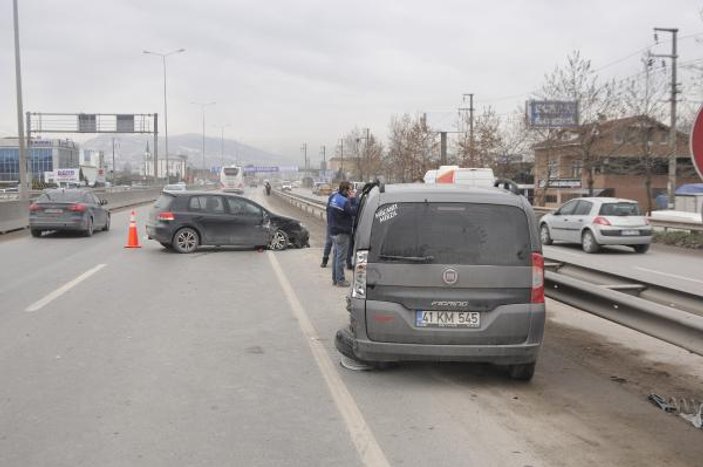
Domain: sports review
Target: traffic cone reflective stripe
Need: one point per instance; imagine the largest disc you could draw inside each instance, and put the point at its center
(133, 236)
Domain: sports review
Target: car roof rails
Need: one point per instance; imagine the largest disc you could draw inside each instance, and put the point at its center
(507, 184)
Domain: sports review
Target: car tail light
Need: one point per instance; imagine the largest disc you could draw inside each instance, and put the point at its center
(166, 216)
(359, 286)
(601, 221)
(34, 207)
(537, 295)
(77, 207)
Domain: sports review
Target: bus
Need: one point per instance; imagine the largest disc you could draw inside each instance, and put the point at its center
(232, 179)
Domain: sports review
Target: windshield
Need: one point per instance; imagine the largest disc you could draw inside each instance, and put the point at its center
(620, 209)
(450, 233)
(231, 171)
(62, 196)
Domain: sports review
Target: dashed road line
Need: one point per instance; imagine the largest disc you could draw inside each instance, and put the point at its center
(36, 306)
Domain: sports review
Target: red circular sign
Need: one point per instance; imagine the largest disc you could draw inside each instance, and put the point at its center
(697, 143)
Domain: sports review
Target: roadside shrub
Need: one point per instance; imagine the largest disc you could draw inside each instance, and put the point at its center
(680, 238)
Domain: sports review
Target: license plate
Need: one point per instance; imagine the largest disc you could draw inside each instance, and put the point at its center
(53, 211)
(448, 319)
(630, 232)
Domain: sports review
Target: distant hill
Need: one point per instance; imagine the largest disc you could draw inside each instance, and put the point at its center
(131, 148)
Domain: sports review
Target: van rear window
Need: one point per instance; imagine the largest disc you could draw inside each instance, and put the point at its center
(450, 233)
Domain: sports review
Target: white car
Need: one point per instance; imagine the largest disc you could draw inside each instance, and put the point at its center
(593, 222)
(286, 186)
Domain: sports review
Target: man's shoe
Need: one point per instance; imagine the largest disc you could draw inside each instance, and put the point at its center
(323, 264)
(342, 284)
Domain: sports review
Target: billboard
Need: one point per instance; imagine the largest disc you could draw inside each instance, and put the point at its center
(552, 114)
(124, 123)
(67, 175)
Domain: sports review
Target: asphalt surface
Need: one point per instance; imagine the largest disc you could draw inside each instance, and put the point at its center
(144, 357)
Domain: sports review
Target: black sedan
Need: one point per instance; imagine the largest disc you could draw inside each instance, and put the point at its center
(183, 221)
(68, 209)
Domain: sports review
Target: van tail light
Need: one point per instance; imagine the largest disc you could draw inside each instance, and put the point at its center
(359, 286)
(166, 216)
(601, 221)
(77, 207)
(34, 207)
(537, 295)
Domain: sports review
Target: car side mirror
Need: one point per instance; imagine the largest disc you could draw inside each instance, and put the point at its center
(103, 202)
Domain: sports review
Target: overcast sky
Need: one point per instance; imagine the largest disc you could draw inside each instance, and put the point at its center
(287, 72)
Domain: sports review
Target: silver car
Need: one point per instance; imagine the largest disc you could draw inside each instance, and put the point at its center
(593, 222)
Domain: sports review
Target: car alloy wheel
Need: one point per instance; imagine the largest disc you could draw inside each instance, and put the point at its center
(544, 235)
(186, 240)
(588, 242)
(279, 240)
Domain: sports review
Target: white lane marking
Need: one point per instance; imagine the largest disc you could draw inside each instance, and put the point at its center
(366, 445)
(63, 289)
(675, 276)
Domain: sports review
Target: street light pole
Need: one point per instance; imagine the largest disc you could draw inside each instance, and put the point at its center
(23, 189)
(163, 59)
(202, 108)
(222, 142)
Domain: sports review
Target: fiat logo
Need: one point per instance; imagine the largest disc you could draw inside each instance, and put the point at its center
(450, 276)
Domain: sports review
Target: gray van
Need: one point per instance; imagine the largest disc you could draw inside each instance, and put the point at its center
(445, 273)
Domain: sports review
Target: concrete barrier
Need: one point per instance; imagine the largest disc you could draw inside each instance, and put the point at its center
(14, 215)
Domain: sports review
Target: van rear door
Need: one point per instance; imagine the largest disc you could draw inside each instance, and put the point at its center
(449, 273)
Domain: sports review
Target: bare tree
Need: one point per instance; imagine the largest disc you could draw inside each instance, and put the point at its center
(411, 148)
(578, 81)
(643, 98)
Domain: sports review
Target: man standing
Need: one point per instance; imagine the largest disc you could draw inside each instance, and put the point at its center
(342, 210)
(328, 238)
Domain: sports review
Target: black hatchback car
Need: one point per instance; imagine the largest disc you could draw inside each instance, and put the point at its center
(183, 221)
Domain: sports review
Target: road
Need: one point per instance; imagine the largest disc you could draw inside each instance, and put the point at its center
(226, 357)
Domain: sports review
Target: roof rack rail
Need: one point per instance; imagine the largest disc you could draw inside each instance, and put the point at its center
(507, 184)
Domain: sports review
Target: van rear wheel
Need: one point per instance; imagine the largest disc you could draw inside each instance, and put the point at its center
(523, 371)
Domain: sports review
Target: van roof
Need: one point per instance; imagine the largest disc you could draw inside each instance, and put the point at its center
(419, 192)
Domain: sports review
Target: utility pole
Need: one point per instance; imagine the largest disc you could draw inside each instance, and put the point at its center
(470, 109)
(341, 153)
(113, 162)
(23, 188)
(671, 185)
(304, 148)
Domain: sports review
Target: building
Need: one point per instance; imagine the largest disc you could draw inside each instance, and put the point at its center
(609, 158)
(44, 155)
(176, 165)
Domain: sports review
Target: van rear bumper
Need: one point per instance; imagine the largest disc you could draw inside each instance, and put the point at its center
(370, 351)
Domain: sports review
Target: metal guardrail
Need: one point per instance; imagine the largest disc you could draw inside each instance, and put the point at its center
(670, 315)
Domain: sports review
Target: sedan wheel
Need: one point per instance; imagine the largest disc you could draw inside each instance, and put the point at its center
(544, 235)
(588, 242)
(279, 240)
(90, 228)
(641, 248)
(186, 240)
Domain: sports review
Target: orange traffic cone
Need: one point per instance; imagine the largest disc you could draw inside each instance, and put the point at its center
(133, 237)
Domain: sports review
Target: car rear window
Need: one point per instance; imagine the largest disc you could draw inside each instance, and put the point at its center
(163, 202)
(67, 196)
(450, 233)
(620, 209)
